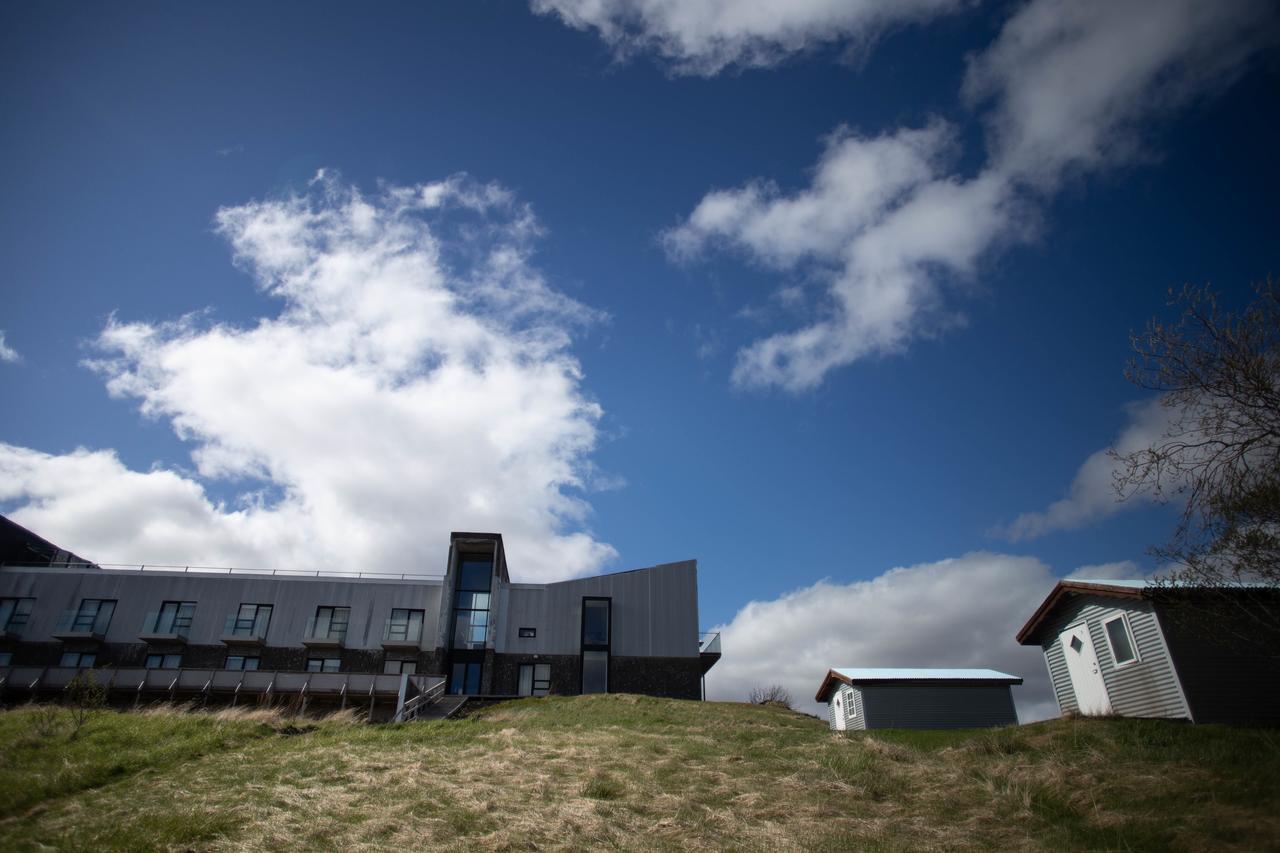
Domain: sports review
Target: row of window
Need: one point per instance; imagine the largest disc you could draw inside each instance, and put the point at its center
(249, 620)
(85, 660)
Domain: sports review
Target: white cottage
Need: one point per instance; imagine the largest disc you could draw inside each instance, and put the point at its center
(1115, 647)
(918, 698)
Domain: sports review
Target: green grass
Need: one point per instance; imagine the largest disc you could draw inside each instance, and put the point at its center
(628, 772)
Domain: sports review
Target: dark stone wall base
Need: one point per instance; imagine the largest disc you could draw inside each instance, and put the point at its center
(673, 678)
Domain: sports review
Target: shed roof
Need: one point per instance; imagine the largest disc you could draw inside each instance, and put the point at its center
(1029, 635)
(905, 674)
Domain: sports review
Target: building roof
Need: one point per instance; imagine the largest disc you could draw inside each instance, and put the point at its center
(900, 674)
(1064, 589)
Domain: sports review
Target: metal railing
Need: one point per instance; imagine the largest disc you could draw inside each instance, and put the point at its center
(421, 702)
(232, 570)
(709, 643)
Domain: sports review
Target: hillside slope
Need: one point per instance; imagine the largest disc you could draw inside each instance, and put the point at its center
(628, 772)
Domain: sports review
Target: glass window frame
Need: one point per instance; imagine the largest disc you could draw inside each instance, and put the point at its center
(83, 660)
(244, 660)
(167, 661)
(407, 621)
(1122, 618)
(591, 650)
(536, 686)
(334, 628)
(89, 612)
(324, 664)
(244, 626)
(18, 614)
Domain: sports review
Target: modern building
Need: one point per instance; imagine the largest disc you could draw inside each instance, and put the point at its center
(918, 698)
(329, 638)
(1126, 647)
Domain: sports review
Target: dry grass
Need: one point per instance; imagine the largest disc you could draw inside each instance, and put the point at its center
(640, 773)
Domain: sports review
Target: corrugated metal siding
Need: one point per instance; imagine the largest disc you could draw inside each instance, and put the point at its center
(850, 707)
(1148, 688)
(655, 612)
(217, 596)
(933, 706)
(1225, 679)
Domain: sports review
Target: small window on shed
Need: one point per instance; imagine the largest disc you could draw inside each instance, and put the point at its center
(528, 633)
(1123, 649)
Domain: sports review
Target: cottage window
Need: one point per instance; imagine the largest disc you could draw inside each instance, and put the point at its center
(1120, 637)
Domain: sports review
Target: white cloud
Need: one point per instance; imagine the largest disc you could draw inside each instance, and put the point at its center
(1092, 494)
(415, 380)
(707, 36)
(961, 612)
(890, 224)
(7, 353)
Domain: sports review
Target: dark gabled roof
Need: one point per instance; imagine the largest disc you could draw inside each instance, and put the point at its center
(19, 546)
(900, 675)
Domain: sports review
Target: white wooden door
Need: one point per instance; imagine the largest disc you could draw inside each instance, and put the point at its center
(841, 698)
(1086, 675)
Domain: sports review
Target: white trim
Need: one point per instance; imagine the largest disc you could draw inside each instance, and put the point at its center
(1173, 665)
(1133, 642)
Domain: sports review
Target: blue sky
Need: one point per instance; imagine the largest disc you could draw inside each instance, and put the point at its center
(584, 145)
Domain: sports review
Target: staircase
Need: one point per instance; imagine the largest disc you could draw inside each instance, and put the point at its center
(431, 704)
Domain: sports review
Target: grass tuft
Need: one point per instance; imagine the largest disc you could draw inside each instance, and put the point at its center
(629, 772)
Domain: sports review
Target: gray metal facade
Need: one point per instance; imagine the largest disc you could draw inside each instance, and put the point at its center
(655, 613)
(1148, 687)
(217, 596)
(937, 706)
(653, 639)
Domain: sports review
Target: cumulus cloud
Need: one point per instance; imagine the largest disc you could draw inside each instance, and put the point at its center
(890, 224)
(1092, 494)
(707, 36)
(7, 353)
(961, 612)
(416, 379)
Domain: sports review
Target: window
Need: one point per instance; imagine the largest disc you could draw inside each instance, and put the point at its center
(1120, 637)
(164, 661)
(596, 631)
(82, 660)
(535, 679)
(242, 662)
(174, 617)
(393, 666)
(528, 633)
(464, 678)
(471, 603)
(405, 625)
(93, 616)
(6, 658)
(14, 613)
(324, 665)
(331, 623)
(251, 620)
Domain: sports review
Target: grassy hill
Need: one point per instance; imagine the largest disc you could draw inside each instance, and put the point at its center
(627, 772)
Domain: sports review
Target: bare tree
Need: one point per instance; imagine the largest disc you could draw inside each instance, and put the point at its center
(85, 696)
(774, 694)
(1218, 374)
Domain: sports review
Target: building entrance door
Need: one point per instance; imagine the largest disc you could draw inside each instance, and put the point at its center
(1086, 675)
(840, 717)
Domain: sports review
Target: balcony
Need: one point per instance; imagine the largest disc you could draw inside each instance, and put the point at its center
(708, 650)
(402, 635)
(244, 632)
(163, 627)
(321, 633)
(74, 625)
